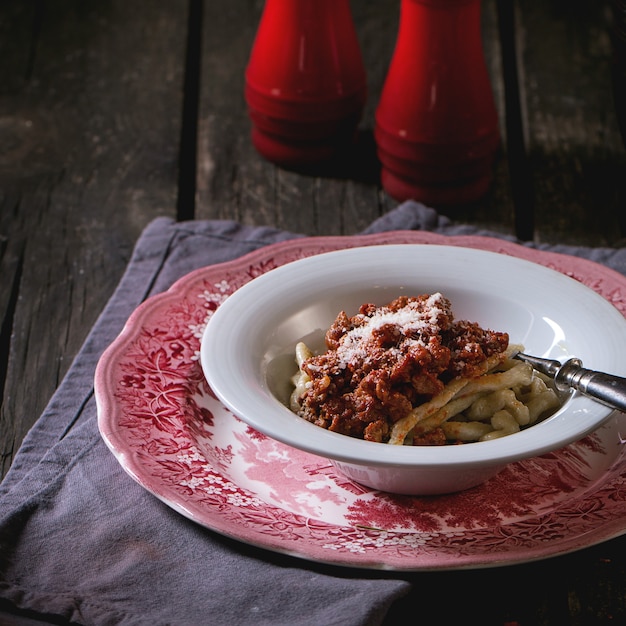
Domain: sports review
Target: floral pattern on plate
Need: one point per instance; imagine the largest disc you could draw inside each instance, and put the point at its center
(170, 433)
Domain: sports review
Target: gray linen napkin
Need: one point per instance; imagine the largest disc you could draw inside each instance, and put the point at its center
(81, 542)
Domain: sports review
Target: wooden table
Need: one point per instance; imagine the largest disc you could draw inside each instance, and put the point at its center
(113, 113)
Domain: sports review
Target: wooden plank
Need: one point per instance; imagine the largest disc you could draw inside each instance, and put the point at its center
(574, 147)
(234, 182)
(93, 109)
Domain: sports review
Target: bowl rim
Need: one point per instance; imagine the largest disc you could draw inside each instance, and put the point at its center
(222, 328)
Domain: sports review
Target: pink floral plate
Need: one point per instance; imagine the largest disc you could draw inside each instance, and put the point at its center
(169, 432)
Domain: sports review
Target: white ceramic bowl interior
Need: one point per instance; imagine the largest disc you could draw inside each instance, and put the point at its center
(247, 350)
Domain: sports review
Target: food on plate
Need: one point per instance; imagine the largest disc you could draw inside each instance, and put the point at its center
(409, 373)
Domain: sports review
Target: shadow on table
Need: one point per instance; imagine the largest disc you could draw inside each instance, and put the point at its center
(358, 162)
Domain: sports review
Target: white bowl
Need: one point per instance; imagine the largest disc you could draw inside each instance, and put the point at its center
(247, 351)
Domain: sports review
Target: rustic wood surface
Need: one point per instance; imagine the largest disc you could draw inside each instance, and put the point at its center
(112, 114)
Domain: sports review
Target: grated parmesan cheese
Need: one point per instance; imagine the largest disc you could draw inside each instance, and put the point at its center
(421, 318)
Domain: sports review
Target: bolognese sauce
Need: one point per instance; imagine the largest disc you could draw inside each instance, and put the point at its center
(385, 360)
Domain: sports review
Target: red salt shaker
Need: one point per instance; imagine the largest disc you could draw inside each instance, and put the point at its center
(305, 83)
(436, 123)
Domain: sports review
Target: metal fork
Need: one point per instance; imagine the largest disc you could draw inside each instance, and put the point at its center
(605, 388)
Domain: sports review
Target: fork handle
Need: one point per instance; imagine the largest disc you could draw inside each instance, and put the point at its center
(606, 388)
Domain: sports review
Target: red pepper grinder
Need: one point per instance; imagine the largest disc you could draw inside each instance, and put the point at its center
(436, 123)
(305, 82)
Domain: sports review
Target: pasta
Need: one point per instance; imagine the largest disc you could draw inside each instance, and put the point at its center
(408, 373)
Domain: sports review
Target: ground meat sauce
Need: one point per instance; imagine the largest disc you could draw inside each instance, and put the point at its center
(386, 360)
